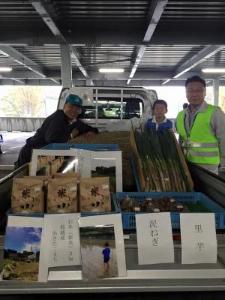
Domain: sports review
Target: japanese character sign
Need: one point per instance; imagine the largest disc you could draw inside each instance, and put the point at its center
(154, 237)
(198, 238)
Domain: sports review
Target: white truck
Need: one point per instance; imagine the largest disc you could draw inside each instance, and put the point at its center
(113, 108)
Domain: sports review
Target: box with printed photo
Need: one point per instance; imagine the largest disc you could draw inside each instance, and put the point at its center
(98, 252)
(50, 162)
(21, 253)
(108, 164)
(105, 168)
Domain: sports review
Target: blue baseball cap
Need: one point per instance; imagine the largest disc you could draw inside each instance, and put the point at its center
(74, 100)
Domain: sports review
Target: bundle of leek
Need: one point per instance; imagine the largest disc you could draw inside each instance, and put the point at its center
(161, 164)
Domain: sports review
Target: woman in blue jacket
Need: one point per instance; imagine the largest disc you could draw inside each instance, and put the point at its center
(159, 121)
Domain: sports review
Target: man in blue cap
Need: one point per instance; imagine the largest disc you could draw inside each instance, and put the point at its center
(57, 128)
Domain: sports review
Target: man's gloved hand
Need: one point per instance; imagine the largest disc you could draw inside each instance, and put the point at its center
(89, 135)
(74, 133)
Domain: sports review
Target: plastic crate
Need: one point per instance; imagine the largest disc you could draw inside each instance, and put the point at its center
(92, 147)
(23, 214)
(128, 218)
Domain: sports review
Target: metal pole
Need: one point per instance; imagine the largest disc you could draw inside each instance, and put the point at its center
(216, 86)
(66, 66)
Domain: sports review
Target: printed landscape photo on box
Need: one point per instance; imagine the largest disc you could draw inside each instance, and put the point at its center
(50, 165)
(98, 252)
(108, 164)
(50, 162)
(105, 168)
(21, 253)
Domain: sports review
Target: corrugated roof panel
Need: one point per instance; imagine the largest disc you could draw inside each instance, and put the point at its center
(198, 9)
(216, 61)
(102, 9)
(46, 56)
(17, 10)
(168, 57)
(105, 56)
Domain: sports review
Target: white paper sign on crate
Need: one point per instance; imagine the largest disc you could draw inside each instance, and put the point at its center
(154, 238)
(198, 238)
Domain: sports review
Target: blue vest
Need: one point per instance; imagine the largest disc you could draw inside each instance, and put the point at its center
(162, 126)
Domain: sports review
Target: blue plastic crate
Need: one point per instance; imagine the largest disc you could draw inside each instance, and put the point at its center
(21, 214)
(128, 218)
(92, 147)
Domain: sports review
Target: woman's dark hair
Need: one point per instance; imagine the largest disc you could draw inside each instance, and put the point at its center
(194, 79)
(162, 102)
(106, 244)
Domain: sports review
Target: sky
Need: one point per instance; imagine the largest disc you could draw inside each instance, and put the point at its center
(23, 238)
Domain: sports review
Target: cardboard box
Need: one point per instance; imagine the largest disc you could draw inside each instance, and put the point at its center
(62, 195)
(27, 195)
(95, 194)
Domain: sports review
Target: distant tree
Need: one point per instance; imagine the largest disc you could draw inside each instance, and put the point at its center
(25, 101)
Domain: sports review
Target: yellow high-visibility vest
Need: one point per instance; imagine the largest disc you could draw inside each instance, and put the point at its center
(200, 144)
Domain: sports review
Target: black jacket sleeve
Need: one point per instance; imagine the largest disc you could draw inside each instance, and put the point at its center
(82, 127)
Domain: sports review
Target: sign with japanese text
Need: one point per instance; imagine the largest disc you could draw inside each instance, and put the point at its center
(198, 238)
(154, 238)
(60, 245)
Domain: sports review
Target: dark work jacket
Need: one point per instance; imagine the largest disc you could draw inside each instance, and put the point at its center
(55, 129)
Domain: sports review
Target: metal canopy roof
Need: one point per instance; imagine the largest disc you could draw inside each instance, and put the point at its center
(155, 41)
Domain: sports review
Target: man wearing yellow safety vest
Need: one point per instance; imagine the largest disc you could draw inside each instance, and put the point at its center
(201, 127)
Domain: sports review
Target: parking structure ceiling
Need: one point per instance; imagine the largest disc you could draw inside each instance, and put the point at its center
(155, 42)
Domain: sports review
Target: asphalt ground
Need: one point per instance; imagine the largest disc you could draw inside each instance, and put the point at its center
(12, 143)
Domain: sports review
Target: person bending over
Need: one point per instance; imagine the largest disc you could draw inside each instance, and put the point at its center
(57, 128)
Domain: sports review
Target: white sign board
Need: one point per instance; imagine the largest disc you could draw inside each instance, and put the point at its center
(60, 244)
(198, 238)
(154, 238)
